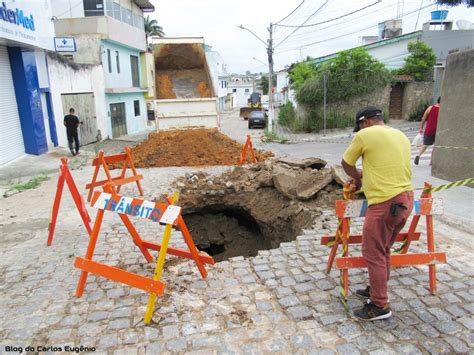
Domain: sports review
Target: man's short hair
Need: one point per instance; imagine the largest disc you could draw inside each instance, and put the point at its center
(71, 110)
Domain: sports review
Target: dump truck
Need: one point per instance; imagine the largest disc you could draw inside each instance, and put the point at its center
(254, 103)
(184, 96)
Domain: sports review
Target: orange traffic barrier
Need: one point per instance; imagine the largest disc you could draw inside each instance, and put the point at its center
(345, 210)
(65, 176)
(247, 147)
(154, 211)
(102, 161)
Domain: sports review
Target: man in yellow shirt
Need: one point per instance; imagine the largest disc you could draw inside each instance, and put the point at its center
(386, 181)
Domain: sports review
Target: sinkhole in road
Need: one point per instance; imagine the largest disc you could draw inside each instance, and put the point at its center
(226, 231)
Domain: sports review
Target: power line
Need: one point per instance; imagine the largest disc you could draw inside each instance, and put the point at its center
(345, 34)
(301, 35)
(291, 13)
(333, 19)
(296, 29)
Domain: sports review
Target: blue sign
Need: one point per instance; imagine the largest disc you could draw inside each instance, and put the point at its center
(64, 44)
(17, 17)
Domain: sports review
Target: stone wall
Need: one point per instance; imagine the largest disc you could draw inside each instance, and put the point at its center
(415, 94)
(379, 98)
(456, 119)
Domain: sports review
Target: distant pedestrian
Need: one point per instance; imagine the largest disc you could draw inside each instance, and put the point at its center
(386, 182)
(72, 122)
(431, 118)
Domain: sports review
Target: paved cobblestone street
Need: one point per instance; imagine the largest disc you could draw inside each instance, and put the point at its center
(280, 301)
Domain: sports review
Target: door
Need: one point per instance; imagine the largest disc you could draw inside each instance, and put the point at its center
(119, 121)
(84, 107)
(11, 136)
(396, 101)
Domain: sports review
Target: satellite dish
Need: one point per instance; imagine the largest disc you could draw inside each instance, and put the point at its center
(464, 24)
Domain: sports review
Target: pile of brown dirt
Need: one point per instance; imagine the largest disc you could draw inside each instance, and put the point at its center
(190, 147)
(164, 87)
(203, 89)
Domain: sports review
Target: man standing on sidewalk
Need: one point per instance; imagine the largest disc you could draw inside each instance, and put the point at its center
(72, 122)
(386, 172)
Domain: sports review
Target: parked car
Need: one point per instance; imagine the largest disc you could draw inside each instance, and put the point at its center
(257, 118)
(265, 106)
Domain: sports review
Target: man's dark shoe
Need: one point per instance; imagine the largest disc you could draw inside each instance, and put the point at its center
(417, 160)
(364, 294)
(371, 312)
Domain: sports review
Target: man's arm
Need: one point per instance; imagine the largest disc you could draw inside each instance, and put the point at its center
(424, 118)
(353, 172)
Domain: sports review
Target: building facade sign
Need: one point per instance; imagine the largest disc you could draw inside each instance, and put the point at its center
(64, 44)
(26, 22)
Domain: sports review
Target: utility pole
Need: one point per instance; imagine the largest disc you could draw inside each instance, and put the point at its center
(270, 78)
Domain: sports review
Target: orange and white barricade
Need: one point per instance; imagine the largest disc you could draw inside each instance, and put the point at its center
(247, 148)
(345, 210)
(103, 161)
(163, 213)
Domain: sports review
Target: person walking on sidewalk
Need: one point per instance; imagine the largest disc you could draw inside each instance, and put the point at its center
(431, 118)
(386, 182)
(72, 122)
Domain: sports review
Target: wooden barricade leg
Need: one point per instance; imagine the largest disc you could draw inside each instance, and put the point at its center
(136, 237)
(90, 251)
(122, 173)
(431, 249)
(333, 252)
(79, 201)
(94, 177)
(128, 151)
(345, 253)
(57, 200)
(159, 266)
(254, 159)
(192, 247)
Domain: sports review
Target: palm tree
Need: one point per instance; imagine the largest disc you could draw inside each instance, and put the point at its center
(152, 28)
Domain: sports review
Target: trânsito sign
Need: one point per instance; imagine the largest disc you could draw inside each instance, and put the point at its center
(64, 44)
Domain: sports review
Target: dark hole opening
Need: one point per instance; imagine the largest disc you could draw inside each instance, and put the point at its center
(224, 231)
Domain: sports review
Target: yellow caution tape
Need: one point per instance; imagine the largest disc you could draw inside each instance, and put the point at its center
(450, 185)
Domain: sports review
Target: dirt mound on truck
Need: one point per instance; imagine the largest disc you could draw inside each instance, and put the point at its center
(164, 87)
(191, 147)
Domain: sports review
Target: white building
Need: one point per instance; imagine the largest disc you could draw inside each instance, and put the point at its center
(26, 119)
(241, 86)
(283, 90)
(218, 72)
(107, 90)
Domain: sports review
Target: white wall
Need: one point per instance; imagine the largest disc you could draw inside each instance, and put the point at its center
(392, 55)
(67, 8)
(124, 78)
(65, 80)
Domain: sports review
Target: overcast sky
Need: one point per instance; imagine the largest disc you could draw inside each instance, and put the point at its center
(216, 21)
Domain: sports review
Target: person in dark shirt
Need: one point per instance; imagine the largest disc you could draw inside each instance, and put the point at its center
(72, 122)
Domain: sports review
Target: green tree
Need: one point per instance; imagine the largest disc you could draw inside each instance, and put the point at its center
(351, 73)
(299, 73)
(152, 28)
(420, 62)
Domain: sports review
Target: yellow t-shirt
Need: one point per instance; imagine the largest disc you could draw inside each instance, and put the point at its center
(386, 162)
